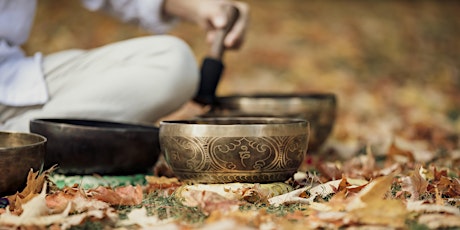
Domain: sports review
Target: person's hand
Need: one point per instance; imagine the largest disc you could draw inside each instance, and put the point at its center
(212, 15)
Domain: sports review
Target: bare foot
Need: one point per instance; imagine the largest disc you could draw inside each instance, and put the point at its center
(188, 110)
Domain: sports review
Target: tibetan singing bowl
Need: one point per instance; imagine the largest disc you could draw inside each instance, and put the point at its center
(19, 153)
(319, 109)
(237, 149)
(80, 146)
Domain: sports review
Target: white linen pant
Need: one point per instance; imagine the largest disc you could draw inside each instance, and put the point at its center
(138, 81)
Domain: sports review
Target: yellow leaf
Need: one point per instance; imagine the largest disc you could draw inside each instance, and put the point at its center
(370, 207)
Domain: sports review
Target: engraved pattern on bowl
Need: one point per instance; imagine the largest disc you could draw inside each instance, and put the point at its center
(220, 150)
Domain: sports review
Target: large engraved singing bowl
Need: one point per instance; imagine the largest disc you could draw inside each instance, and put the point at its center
(238, 149)
(80, 146)
(319, 109)
(19, 153)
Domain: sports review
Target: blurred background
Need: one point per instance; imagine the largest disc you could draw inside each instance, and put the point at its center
(394, 65)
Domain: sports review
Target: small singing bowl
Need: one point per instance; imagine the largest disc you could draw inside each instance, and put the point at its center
(19, 153)
(319, 109)
(82, 146)
(237, 149)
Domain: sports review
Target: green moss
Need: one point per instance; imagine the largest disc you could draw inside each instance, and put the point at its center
(165, 207)
(281, 210)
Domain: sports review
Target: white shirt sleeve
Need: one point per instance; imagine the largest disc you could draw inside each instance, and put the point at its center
(147, 13)
(21, 78)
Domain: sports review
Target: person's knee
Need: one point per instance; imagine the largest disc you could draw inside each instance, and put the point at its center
(181, 65)
(176, 76)
(181, 56)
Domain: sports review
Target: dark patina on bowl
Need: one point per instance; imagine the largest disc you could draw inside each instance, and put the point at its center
(80, 146)
(319, 109)
(237, 149)
(19, 153)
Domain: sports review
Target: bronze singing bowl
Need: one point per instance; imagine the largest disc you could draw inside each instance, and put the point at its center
(317, 108)
(81, 146)
(19, 153)
(237, 149)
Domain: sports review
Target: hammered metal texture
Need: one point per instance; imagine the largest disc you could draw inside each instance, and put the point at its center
(19, 153)
(317, 108)
(225, 159)
(85, 147)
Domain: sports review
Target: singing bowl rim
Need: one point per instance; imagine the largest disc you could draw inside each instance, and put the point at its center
(289, 98)
(312, 95)
(92, 124)
(258, 126)
(33, 140)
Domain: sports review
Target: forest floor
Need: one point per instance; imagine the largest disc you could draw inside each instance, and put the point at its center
(394, 66)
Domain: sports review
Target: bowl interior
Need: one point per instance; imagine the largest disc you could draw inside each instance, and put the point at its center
(11, 140)
(236, 121)
(285, 96)
(281, 104)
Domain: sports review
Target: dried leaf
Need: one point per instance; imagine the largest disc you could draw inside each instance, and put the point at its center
(370, 207)
(329, 171)
(422, 207)
(415, 184)
(208, 201)
(164, 184)
(124, 195)
(228, 195)
(35, 213)
(321, 190)
(77, 198)
(59, 200)
(439, 221)
(291, 197)
(399, 155)
(240, 191)
(34, 185)
(362, 166)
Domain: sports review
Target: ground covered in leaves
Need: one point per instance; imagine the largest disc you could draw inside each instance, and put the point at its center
(392, 161)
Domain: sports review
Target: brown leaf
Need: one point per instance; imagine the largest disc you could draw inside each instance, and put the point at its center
(35, 213)
(329, 171)
(449, 187)
(125, 195)
(396, 154)
(415, 184)
(34, 185)
(208, 201)
(78, 199)
(58, 201)
(168, 185)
